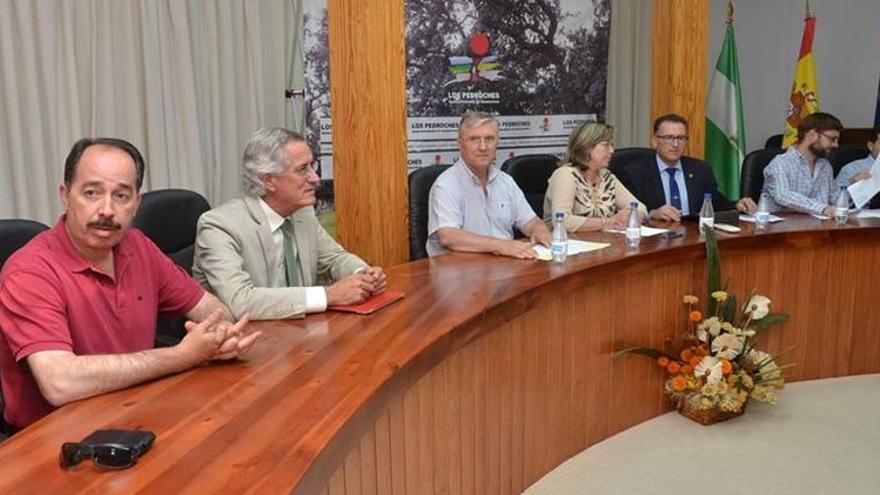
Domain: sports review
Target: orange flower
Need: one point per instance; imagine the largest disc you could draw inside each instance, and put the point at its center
(663, 361)
(726, 366)
(695, 316)
(686, 355)
(679, 383)
(687, 369)
(673, 367)
(695, 361)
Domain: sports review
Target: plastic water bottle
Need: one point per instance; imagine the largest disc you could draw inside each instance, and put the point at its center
(559, 243)
(762, 216)
(841, 207)
(707, 213)
(633, 226)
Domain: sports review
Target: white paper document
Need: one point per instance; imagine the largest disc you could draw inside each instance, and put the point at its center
(868, 214)
(751, 218)
(862, 191)
(574, 247)
(646, 231)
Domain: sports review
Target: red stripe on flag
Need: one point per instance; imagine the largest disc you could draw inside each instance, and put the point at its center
(807, 41)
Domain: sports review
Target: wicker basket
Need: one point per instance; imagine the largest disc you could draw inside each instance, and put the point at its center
(707, 416)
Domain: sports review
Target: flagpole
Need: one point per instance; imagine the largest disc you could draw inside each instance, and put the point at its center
(730, 13)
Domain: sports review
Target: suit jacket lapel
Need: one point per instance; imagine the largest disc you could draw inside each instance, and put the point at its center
(655, 186)
(267, 245)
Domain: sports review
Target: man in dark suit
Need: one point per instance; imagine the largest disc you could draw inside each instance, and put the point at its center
(672, 185)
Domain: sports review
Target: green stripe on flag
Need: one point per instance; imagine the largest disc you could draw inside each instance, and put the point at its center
(725, 132)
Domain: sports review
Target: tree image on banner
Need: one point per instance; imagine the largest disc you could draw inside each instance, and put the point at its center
(511, 57)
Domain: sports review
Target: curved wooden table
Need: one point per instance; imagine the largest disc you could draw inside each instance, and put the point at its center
(486, 376)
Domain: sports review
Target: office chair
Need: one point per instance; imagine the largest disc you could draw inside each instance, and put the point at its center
(773, 142)
(623, 156)
(168, 217)
(845, 154)
(13, 235)
(420, 182)
(752, 173)
(531, 173)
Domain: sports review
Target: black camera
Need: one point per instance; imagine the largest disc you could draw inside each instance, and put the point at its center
(108, 449)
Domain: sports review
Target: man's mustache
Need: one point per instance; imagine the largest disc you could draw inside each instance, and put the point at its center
(104, 224)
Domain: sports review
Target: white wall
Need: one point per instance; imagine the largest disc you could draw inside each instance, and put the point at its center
(768, 34)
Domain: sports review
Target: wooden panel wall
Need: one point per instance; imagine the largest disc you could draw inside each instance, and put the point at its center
(368, 105)
(681, 43)
(506, 409)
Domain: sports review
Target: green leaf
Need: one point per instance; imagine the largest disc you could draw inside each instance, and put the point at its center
(768, 321)
(643, 351)
(728, 312)
(713, 269)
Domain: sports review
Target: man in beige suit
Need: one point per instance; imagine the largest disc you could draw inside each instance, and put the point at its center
(262, 253)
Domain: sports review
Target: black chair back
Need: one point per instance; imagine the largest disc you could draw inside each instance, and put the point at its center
(752, 173)
(531, 173)
(622, 156)
(16, 233)
(420, 182)
(773, 142)
(845, 154)
(168, 217)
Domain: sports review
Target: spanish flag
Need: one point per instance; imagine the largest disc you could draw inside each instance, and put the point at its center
(804, 98)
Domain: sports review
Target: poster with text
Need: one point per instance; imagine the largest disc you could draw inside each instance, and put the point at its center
(539, 65)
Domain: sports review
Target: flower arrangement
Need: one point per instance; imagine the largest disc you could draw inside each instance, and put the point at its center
(718, 368)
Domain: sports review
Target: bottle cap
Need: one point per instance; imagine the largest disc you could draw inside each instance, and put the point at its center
(633, 204)
(707, 195)
(559, 215)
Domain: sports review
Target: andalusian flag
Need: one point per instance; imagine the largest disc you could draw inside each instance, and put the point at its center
(725, 133)
(804, 98)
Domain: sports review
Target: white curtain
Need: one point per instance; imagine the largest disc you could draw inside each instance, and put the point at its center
(629, 72)
(186, 81)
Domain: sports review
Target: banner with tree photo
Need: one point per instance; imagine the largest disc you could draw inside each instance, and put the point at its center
(540, 65)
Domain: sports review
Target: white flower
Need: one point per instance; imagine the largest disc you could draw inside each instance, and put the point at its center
(758, 306)
(727, 346)
(740, 332)
(709, 326)
(763, 368)
(709, 367)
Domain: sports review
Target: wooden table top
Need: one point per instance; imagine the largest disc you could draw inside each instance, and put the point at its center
(310, 385)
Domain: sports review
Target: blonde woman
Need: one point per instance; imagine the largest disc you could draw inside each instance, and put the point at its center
(584, 189)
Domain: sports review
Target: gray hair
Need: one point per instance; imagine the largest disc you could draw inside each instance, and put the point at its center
(265, 154)
(474, 118)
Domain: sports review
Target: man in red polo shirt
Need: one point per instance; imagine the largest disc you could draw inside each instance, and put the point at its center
(78, 304)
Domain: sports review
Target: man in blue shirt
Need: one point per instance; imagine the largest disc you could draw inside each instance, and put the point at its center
(801, 178)
(860, 169)
(473, 206)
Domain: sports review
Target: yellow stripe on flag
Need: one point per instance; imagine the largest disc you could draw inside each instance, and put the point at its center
(804, 97)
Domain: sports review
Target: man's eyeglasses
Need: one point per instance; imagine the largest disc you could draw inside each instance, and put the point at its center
(669, 139)
(305, 170)
(832, 138)
(103, 456)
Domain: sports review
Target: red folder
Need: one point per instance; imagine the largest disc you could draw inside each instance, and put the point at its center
(372, 304)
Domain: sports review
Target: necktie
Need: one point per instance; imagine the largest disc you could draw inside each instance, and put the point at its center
(291, 256)
(674, 194)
